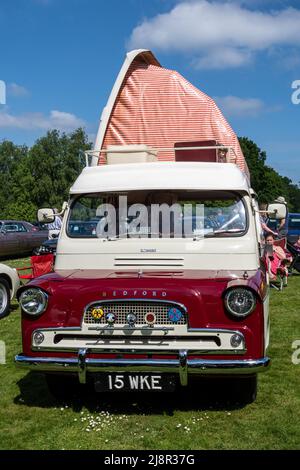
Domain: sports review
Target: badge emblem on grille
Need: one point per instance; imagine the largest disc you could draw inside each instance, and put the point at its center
(131, 319)
(97, 313)
(174, 314)
(110, 318)
(150, 318)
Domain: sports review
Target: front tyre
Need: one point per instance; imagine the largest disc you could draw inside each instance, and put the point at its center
(4, 298)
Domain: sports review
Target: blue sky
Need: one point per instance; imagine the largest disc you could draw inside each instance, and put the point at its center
(59, 60)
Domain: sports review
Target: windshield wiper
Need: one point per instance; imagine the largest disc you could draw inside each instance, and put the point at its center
(222, 231)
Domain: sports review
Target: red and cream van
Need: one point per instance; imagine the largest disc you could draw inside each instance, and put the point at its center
(158, 274)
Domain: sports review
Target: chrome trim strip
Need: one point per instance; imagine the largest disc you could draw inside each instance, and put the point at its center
(151, 259)
(146, 265)
(192, 366)
(126, 327)
(215, 330)
(59, 328)
(117, 350)
(208, 331)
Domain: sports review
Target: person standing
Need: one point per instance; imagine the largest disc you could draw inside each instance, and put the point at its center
(283, 224)
(55, 226)
(264, 220)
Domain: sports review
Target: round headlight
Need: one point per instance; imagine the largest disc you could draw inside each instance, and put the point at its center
(240, 301)
(33, 301)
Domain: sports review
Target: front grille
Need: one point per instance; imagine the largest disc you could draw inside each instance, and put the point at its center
(139, 308)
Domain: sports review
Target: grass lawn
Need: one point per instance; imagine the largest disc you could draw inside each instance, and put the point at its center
(31, 419)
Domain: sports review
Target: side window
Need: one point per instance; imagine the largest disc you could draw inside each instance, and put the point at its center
(10, 228)
(21, 228)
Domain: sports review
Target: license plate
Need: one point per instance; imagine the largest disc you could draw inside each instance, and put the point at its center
(130, 382)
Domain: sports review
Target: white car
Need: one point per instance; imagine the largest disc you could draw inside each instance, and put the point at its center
(9, 283)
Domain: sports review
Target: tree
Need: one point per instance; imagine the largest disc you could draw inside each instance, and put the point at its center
(40, 176)
(266, 182)
(54, 162)
(11, 158)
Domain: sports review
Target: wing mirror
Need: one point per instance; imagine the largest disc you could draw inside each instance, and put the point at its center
(46, 215)
(277, 210)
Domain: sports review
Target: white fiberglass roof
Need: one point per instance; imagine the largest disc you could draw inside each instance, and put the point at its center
(162, 175)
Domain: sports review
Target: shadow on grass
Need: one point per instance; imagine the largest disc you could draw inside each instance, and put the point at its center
(201, 394)
(34, 392)
(18, 256)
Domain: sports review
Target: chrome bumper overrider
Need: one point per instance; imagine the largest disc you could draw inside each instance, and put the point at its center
(183, 365)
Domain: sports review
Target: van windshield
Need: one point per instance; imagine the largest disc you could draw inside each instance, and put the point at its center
(157, 214)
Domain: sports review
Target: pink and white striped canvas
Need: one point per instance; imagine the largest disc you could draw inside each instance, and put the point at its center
(158, 107)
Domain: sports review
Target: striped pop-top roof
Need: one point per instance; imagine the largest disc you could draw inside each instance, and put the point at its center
(158, 107)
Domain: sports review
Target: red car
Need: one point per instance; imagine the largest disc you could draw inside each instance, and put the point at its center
(19, 237)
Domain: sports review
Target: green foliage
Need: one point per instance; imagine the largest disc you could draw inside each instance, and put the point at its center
(267, 183)
(40, 176)
(12, 157)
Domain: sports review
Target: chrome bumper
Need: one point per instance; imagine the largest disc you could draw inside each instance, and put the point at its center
(183, 365)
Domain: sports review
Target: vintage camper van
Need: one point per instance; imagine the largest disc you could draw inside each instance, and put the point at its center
(158, 275)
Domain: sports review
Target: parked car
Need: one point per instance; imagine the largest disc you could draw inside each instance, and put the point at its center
(39, 225)
(9, 283)
(18, 237)
(293, 226)
(48, 246)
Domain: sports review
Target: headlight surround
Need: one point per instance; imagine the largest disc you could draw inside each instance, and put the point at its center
(33, 301)
(240, 301)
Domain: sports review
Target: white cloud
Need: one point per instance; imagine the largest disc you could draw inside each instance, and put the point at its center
(62, 120)
(209, 30)
(31, 121)
(14, 89)
(223, 57)
(235, 106)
